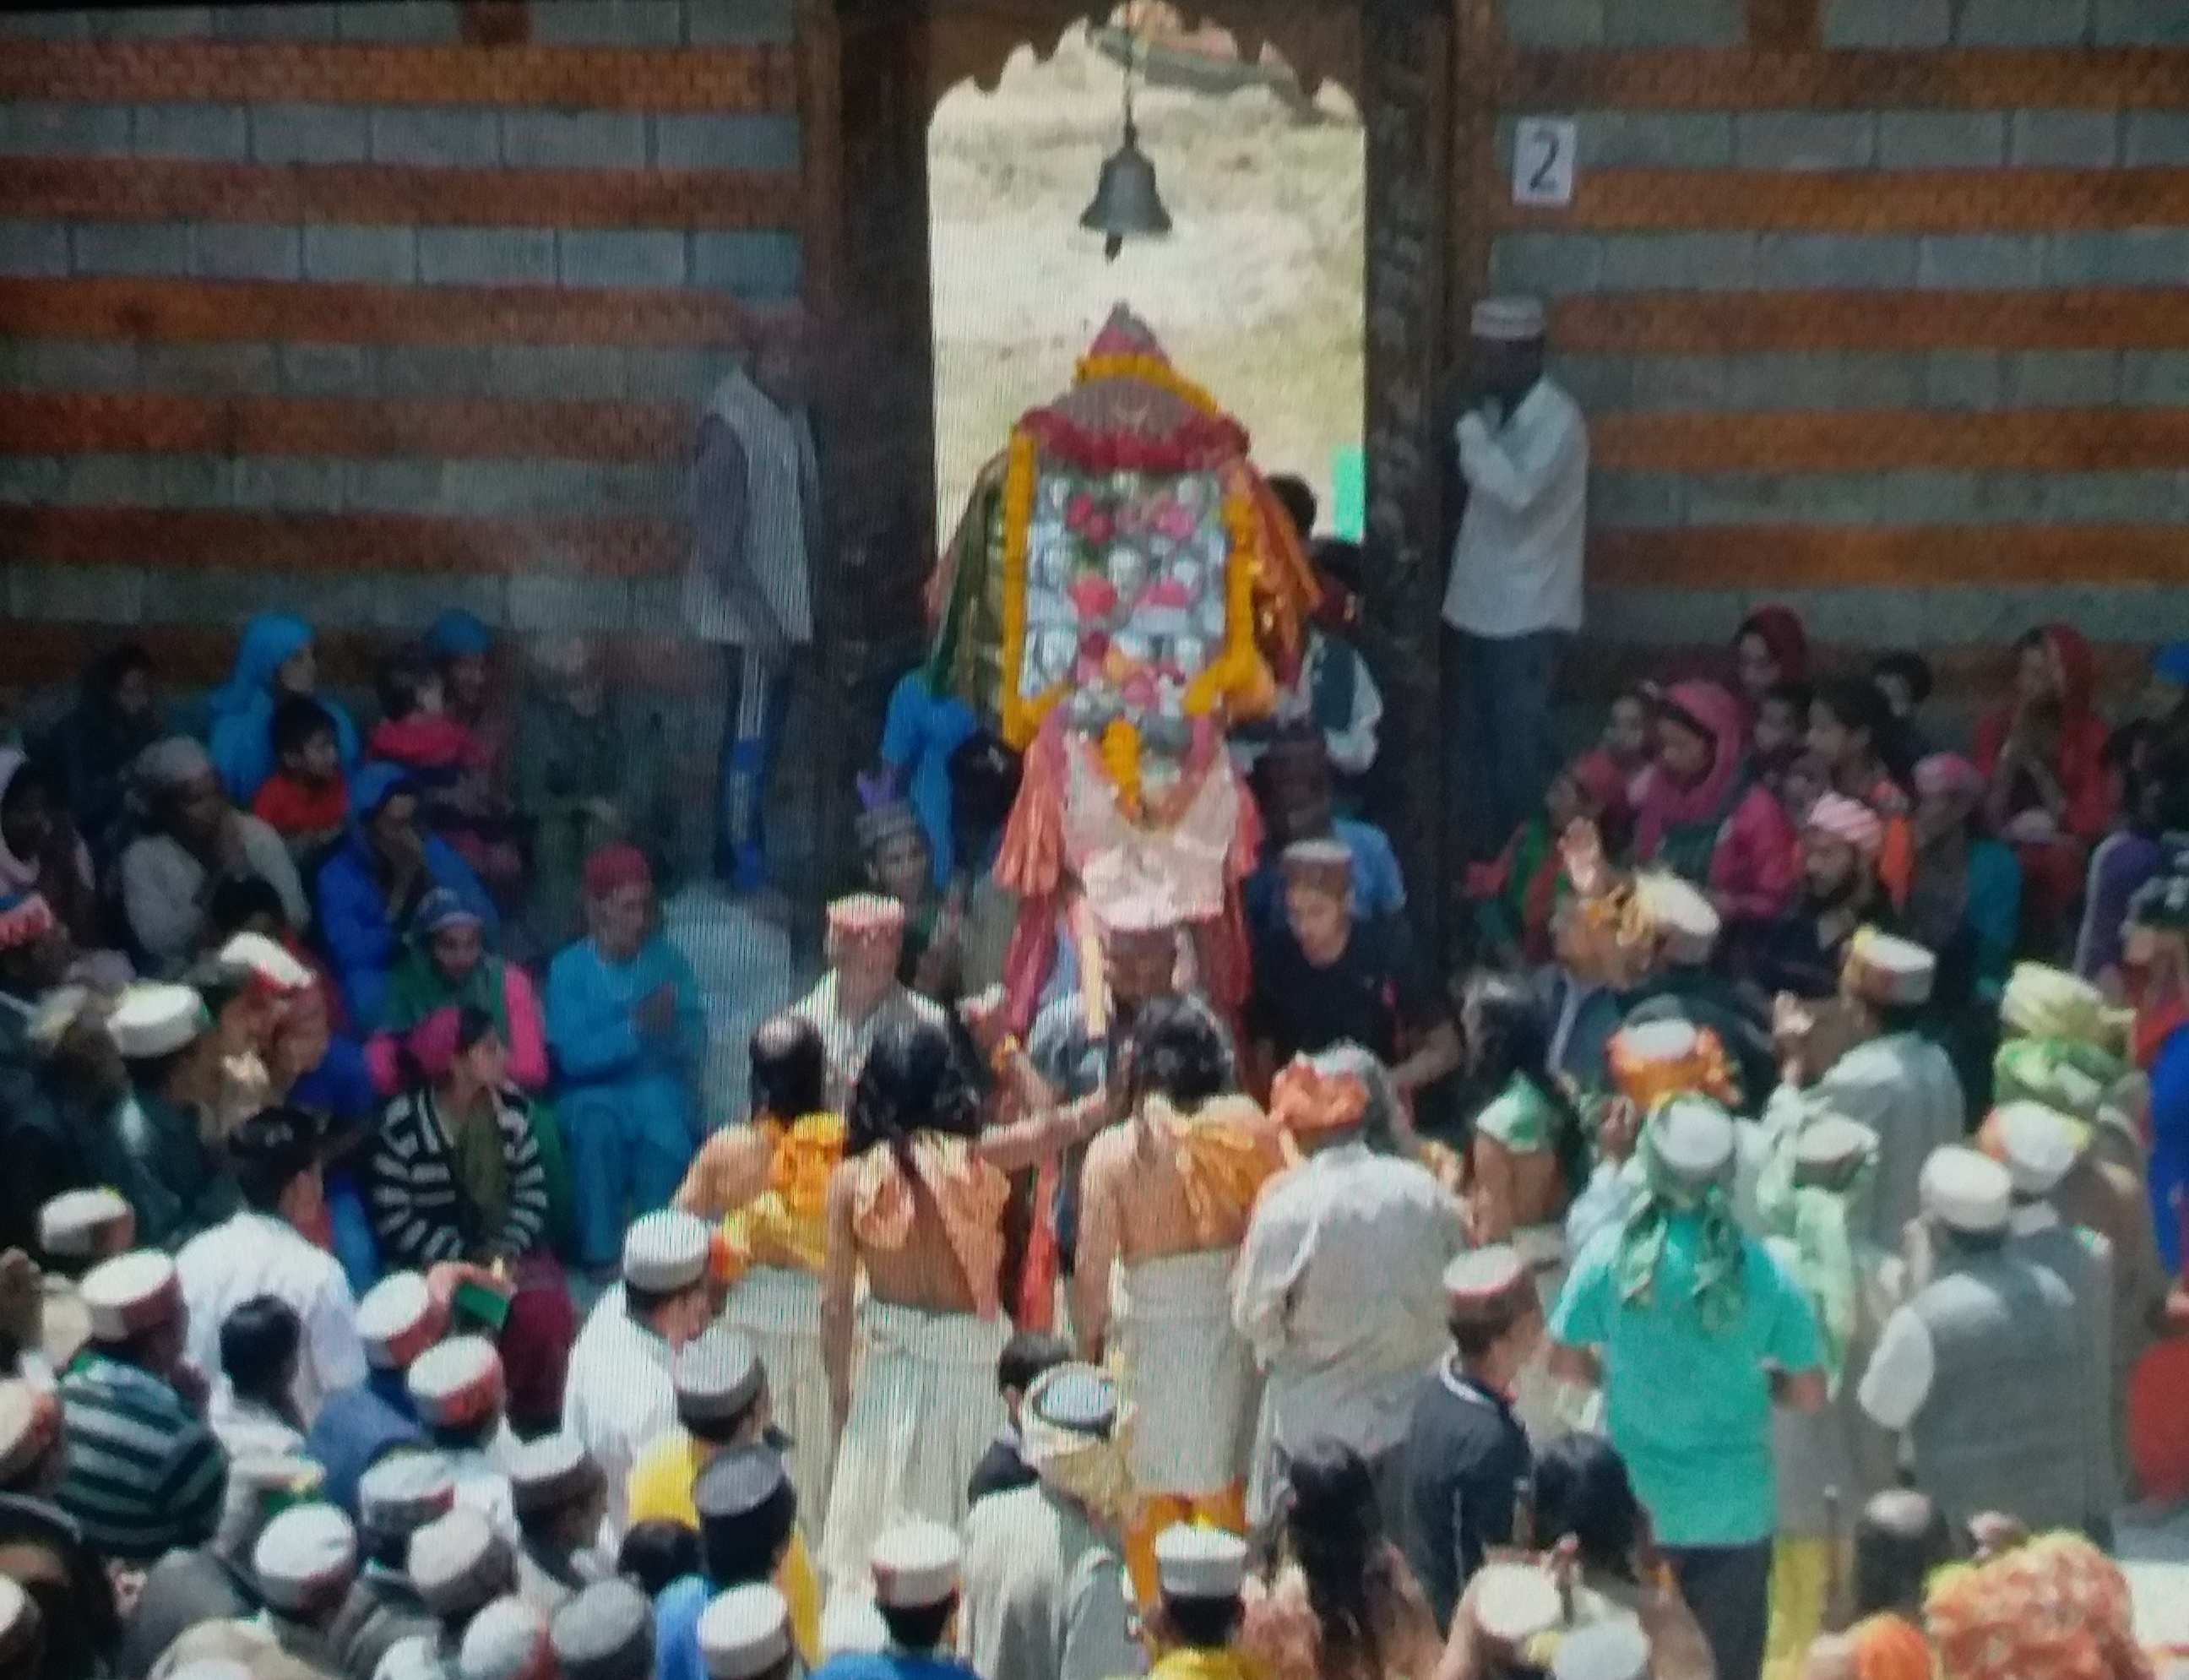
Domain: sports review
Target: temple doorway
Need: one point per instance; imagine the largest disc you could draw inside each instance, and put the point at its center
(1256, 293)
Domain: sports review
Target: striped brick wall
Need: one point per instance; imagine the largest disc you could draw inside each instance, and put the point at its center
(366, 310)
(1877, 307)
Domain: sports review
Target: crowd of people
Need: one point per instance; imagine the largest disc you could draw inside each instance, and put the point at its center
(1762, 1256)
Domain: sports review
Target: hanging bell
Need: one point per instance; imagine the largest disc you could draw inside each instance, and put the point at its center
(1126, 204)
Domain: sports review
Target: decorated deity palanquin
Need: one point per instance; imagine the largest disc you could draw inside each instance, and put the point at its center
(1123, 589)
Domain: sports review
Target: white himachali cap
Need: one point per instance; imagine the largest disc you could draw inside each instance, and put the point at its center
(1516, 1601)
(507, 1641)
(2039, 1146)
(1693, 1136)
(1507, 320)
(915, 1564)
(456, 1383)
(78, 1223)
(666, 1252)
(154, 1018)
(305, 1554)
(1965, 1190)
(397, 1319)
(744, 1633)
(1193, 1562)
(131, 1293)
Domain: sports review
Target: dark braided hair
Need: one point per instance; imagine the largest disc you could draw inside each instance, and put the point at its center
(913, 1081)
(1336, 1536)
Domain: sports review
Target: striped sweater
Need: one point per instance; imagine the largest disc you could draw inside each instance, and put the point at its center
(145, 1474)
(419, 1210)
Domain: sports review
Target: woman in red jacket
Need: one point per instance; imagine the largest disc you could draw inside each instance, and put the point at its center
(2048, 793)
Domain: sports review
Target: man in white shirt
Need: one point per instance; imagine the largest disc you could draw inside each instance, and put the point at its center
(274, 1156)
(1516, 569)
(620, 1395)
(1340, 1285)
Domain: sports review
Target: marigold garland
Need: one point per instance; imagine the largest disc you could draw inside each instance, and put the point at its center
(1121, 762)
(1237, 674)
(1020, 717)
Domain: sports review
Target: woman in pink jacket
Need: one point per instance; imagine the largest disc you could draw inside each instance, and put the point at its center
(1699, 816)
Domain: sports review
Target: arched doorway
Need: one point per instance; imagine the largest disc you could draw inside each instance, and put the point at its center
(871, 72)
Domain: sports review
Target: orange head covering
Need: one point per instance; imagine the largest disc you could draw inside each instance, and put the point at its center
(1304, 1101)
(615, 867)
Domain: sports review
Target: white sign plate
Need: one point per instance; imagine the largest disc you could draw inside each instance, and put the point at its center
(1543, 162)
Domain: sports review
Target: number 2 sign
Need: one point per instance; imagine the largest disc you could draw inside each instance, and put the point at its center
(1543, 160)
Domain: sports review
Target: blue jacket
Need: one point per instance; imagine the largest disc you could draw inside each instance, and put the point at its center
(242, 708)
(361, 941)
(354, 1430)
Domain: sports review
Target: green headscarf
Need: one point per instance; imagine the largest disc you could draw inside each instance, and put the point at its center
(1666, 1196)
(1806, 1226)
(2067, 1074)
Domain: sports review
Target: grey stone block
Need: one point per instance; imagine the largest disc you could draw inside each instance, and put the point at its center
(556, 139)
(1971, 381)
(2156, 137)
(1849, 260)
(288, 484)
(45, 26)
(83, 595)
(486, 256)
(405, 602)
(1854, 616)
(1653, 139)
(1981, 260)
(1553, 265)
(1887, 23)
(727, 141)
(409, 371)
(739, 23)
(104, 481)
(1828, 379)
(1804, 139)
(213, 133)
(67, 364)
(2131, 612)
(29, 249)
(674, 376)
(2065, 140)
(545, 604)
(27, 480)
(1636, 501)
(1662, 618)
(2131, 257)
(391, 486)
(619, 258)
(337, 252)
(152, 23)
(132, 248)
(1600, 384)
(764, 267)
(300, 133)
(2147, 498)
(299, 20)
(2024, 23)
(408, 22)
(609, 23)
(1674, 23)
(2141, 23)
(2063, 378)
(36, 128)
(1941, 140)
(248, 250)
(1678, 261)
(1988, 613)
(2154, 378)
(1683, 382)
(576, 372)
(209, 369)
(327, 371)
(446, 134)
(657, 607)
(187, 481)
(555, 488)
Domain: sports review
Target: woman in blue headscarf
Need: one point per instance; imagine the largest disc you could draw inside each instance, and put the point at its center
(369, 889)
(274, 661)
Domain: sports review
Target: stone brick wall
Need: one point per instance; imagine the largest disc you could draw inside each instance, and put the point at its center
(365, 309)
(1875, 308)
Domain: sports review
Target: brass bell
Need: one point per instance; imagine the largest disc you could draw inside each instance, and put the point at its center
(1126, 203)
